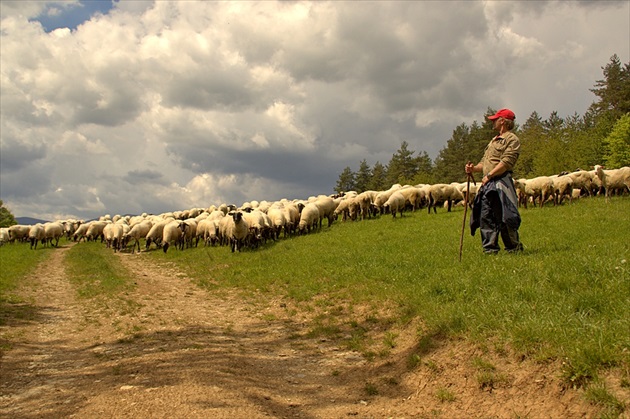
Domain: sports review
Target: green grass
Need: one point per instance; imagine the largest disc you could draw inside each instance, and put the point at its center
(567, 297)
(16, 262)
(95, 271)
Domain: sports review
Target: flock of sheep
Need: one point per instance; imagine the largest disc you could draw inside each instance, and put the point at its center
(256, 222)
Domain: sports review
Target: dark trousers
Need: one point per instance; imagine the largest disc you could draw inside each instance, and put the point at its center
(491, 225)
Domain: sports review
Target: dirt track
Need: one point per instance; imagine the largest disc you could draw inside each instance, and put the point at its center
(169, 349)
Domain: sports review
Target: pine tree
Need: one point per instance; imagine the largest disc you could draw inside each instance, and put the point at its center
(531, 136)
(363, 177)
(614, 90)
(346, 181)
(378, 181)
(425, 169)
(403, 166)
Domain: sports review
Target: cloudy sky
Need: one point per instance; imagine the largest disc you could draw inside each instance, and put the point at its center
(132, 106)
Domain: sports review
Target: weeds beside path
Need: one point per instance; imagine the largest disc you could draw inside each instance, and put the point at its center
(166, 348)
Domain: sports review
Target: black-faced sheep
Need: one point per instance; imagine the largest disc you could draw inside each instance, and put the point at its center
(235, 230)
(172, 234)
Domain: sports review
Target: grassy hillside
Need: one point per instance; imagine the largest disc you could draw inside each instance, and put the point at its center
(567, 297)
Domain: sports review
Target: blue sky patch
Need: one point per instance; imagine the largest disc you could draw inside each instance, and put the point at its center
(72, 15)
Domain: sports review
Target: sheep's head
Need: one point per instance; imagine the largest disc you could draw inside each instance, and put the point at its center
(237, 216)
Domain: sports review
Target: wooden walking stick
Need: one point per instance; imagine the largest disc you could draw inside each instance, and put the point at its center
(461, 239)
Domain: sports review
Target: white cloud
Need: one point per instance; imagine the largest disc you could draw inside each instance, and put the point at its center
(157, 106)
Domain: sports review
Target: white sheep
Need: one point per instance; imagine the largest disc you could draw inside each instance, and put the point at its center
(326, 206)
(207, 231)
(343, 208)
(292, 217)
(172, 234)
(382, 197)
(81, 231)
(95, 230)
(583, 180)
(137, 232)
(309, 218)
(53, 231)
(278, 219)
(19, 232)
(562, 186)
(257, 227)
(615, 179)
(414, 197)
(362, 205)
(441, 192)
(540, 188)
(4, 235)
(157, 231)
(234, 229)
(37, 234)
(189, 231)
(395, 203)
(114, 233)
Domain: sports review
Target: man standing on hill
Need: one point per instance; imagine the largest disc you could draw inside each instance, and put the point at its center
(495, 210)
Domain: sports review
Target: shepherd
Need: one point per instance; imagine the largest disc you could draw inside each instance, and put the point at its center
(495, 209)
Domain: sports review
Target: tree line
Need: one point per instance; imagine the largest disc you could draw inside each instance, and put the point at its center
(548, 146)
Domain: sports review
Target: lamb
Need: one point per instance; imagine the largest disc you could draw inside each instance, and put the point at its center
(309, 218)
(137, 232)
(36, 234)
(616, 179)
(441, 192)
(540, 187)
(395, 203)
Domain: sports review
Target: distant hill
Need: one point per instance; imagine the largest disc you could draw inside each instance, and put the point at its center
(29, 221)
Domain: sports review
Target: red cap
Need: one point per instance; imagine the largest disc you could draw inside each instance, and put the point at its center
(503, 113)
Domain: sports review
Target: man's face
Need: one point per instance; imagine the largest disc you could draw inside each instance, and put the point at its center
(497, 124)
